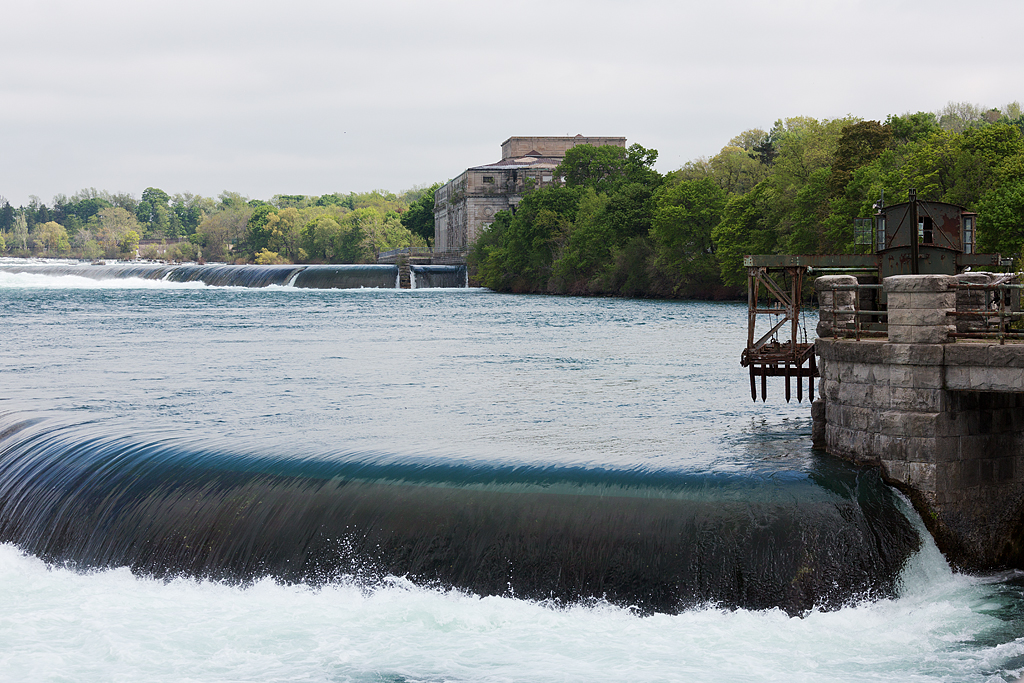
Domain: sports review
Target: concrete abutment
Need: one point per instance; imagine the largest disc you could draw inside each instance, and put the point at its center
(942, 420)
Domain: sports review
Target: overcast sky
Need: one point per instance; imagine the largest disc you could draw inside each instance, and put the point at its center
(310, 97)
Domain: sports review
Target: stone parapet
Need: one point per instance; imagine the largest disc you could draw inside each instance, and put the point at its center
(835, 307)
(943, 420)
(918, 307)
(972, 300)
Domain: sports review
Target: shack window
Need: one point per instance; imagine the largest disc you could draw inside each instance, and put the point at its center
(862, 231)
(880, 232)
(968, 234)
(924, 230)
(489, 179)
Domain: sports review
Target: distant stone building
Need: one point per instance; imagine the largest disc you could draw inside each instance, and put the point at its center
(466, 205)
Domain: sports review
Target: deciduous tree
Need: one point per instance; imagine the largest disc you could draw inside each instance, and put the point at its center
(52, 238)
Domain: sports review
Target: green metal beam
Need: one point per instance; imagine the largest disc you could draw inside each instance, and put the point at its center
(978, 260)
(866, 261)
(814, 261)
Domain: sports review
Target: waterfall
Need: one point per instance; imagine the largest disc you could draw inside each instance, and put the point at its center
(655, 541)
(302, 276)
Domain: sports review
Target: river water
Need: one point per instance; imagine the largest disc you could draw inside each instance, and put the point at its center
(272, 484)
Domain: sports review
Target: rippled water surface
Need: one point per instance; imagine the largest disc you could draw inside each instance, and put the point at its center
(467, 373)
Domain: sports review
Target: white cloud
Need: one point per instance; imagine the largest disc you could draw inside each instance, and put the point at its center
(311, 97)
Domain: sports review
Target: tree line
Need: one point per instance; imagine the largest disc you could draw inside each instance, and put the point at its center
(333, 228)
(615, 226)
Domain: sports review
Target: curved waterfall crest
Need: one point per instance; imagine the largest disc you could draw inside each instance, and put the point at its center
(653, 540)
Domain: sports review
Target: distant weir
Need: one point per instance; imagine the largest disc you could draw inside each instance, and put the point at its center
(222, 275)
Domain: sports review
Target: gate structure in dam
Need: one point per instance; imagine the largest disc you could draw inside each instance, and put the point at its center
(427, 268)
(920, 361)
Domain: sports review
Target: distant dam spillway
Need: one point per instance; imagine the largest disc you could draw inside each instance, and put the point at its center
(334, 276)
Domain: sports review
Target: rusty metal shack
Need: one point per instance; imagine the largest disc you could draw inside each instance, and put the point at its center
(909, 238)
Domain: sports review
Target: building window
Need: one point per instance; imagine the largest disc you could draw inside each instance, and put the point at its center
(880, 232)
(968, 234)
(489, 179)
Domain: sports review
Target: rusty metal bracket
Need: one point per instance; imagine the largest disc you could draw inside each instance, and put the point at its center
(767, 356)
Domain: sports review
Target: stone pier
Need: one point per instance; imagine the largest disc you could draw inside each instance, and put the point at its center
(942, 419)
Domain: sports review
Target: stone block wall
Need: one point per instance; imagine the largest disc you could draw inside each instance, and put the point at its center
(517, 146)
(943, 421)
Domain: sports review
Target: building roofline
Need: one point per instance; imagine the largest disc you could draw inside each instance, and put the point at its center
(534, 162)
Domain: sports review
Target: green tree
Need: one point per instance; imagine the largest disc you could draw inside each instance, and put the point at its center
(257, 233)
(744, 229)
(269, 258)
(188, 211)
(219, 232)
(336, 199)
(293, 201)
(154, 212)
(581, 245)
(382, 232)
(600, 168)
(129, 243)
(959, 116)
(7, 217)
(521, 248)
(800, 182)
(684, 220)
(485, 257)
(52, 238)
(324, 239)
(112, 226)
(1001, 220)
(767, 149)
(20, 234)
(285, 234)
(859, 144)
(419, 218)
(749, 140)
(736, 170)
(911, 127)
(981, 153)
(76, 211)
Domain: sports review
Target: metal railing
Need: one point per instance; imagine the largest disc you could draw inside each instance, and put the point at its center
(995, 312)
(858, 314)
(413, 252)
(410, 251)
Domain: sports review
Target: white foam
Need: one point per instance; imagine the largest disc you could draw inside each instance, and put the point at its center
(39, 281)
(110, 625)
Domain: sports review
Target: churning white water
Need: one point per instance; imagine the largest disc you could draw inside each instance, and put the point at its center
(63, 625)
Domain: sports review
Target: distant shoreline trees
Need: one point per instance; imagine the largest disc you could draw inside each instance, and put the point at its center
(614, 227)
(334, 228)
